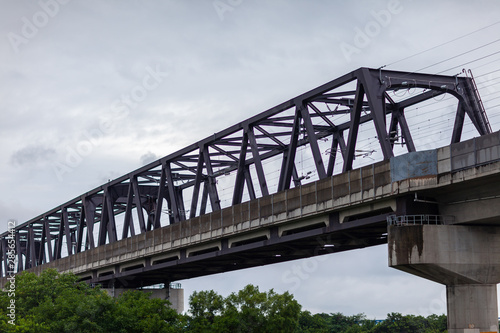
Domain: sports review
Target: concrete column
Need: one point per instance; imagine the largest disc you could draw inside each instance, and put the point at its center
(176, 297)
(464, 258)
(473, 306)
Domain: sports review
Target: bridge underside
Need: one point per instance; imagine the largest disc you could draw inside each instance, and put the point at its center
(300, 244)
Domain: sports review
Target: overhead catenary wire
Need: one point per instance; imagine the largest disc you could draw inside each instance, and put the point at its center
(456, 56)
(488, 63)
(488, 73)
(443, 44)
(469, 62)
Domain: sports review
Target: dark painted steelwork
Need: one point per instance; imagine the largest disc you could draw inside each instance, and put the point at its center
(161, 187)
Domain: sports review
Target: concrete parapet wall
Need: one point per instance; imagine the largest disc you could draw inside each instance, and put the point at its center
(476, 151)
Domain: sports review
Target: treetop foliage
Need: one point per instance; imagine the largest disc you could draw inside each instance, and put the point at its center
(248, 310)
(53, 302)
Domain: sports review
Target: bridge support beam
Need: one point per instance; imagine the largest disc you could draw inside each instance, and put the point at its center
(464, 258)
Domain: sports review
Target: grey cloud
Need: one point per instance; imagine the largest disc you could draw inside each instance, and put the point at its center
(32, 155)
(148, 158)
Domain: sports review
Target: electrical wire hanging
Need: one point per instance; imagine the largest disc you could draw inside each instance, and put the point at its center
(443, 44)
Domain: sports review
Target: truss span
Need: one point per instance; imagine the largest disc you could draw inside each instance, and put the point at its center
(324, 124)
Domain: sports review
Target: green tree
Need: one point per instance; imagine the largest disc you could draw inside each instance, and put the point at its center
(248, 310)
(205, 307)
(310, 323)
(394, 323)
(398, 323)
(283, 312)
(437, 324)
(334, 322)
(138, 313)
(53, 302)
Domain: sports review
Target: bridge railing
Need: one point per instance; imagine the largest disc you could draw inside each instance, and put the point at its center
(404, 220)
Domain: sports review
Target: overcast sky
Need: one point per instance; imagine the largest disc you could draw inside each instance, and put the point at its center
(208, 65)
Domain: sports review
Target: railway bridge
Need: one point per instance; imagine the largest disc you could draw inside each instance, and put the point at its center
(244, 197)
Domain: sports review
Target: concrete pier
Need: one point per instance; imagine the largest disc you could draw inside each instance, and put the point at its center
(480, 311)
(464, 258)
(171, 292)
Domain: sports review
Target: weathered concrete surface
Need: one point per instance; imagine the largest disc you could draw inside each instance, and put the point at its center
(176, 297)
(480, 312)
(447, 254)
(464, 258)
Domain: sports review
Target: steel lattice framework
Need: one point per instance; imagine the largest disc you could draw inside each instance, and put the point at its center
(184, 184)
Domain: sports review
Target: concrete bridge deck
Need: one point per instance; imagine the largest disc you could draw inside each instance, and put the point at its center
(339, 213)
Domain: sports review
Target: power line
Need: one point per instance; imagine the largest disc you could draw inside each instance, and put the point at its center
(458, 55)
(442, 44)
(487, 63)
(497, 70)
(469, 62)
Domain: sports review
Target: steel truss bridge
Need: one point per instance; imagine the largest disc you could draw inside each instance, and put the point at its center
(186, 184)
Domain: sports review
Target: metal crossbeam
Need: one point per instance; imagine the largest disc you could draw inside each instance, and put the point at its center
(250, 153)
